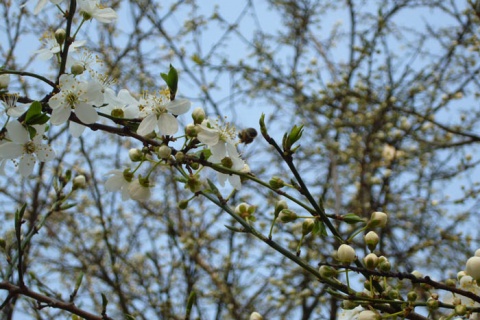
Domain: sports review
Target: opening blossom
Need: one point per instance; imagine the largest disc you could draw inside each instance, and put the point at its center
(75, 95)
(158, 113)
(91, 9)
(28, 150)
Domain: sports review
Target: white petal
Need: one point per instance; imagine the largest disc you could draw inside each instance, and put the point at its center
(208, 136)
(60, 116)
(26, 165)
(17, 132)
(218, 152)
(147, 125)
(86, 113)
(115, 182)
(235, 181)
(179, 106)
(167, 124)
(10, 150)
(105, 15)
(44, 152)
(222, 177)
(76, 129)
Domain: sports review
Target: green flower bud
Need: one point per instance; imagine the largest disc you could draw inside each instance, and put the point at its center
(412, 296)
(183, 204)
(276, 183)
(371, 239)
(327, 272)
(432, 304)
(349, 305)
(377, 219)
(371, 261)
(385, 266)
(79, 182)
(287, 215)
(77, 69)
(279, 206)
(461, 309)
(307, 226)
(180, 157)
(227, 162)
(164, 152)
(346, 254)
(198, 115)
(4, 81)
(135, 155)
(60, 36)
(191, 130)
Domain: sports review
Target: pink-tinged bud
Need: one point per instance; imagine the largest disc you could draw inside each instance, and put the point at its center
(346, 254)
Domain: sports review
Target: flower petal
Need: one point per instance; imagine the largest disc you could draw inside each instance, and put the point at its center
(60, 116)
(44, 152)
(26, 165)
(11, 150)
(17, 132)
(147, 125)
(179, 106)
(167, 124)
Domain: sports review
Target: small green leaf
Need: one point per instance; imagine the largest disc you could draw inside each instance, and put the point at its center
(129, 317)
(319, 228)
(104, 303)
(171, 79)
(34, 110)
(190, 301)
(352, 218)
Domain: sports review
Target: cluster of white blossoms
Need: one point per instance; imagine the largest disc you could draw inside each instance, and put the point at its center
(83, 97)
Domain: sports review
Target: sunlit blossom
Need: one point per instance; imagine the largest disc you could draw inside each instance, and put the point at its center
(75, 96)
(20, 146)
(91, 9)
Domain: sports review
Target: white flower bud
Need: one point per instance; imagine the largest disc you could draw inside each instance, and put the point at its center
(473, 268)
(371, 261)
(256, 316)
(198, 115)
(346, 254)
(79, 182)
(279, 206)
(477, 253)
(287, 215)
(77, 69)
(4, 81)
(164, 152)
(60, 36)
(417, 274)
(378, 219)
(135, 155)
(307, 226)
(371, 240)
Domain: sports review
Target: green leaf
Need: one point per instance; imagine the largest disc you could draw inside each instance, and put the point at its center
(171, 79)
(104, 303)
(352, 218)
(319, 228)
(35, 115)
(18, 220)
(129, 317)
(190, 301)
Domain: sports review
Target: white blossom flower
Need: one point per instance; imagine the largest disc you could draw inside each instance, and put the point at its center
(91, 9)
(52, 47)
(350, 314)
(122, 105)
(28, 150)
(78, 96)
(119, 180)
(233, 179)
(139, 189)
(40, 4)
(220, 140)
(12, 107)
(157, 112)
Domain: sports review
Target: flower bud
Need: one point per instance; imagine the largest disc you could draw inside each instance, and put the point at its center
(477, 253)
(245, 210)
(327, 272)
(193, 184)
(179, 156)
(139, 189)
(384, 266)
(279, 206)
(60, 36)
(276, 183)
(183, 204)
(307, 226)
(371, 239)
(346, 254)
(371, 261)
(368, 315)
(417, 274)
(191, 130)
(461, 309)
(198, 115)
(77, 69)
(135, 155)
(432, 304)
(164, 152)
(4, 81)
(79, 182)
(473, 268)
(377, 219)
(349, 305)
(287, 215)
(412, 296)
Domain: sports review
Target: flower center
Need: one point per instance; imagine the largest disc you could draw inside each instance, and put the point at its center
(29, 147)
(71, 99)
